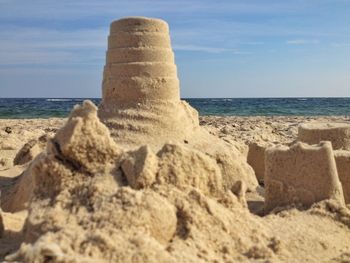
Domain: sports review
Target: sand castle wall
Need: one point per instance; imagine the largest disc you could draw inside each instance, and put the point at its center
(256, 158)
(301, 174)
(342, 159)
(2, 228)
(337, 133)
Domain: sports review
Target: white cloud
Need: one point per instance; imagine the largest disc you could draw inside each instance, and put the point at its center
(208, 49)
(340, 44)
(302, 41)
(37, 46)
(67, 9)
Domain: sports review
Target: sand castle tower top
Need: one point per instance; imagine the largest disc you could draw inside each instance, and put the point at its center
(141, 97)
(140, 63)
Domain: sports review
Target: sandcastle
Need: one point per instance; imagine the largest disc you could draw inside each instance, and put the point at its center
(141, 106)
(95, 201)
(301, 174)
(141, 100)
(342, 159)
(338, 133)
(256, 158)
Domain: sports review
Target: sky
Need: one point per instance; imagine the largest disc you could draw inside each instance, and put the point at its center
(223, 48)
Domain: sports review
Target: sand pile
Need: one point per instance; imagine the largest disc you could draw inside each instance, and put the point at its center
(96, 201)
(141, 99)
(83, 208)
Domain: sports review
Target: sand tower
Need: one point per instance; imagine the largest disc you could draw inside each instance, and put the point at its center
(141, 100)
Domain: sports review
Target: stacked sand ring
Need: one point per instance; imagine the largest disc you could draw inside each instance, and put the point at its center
(141, 100)
(140, 85)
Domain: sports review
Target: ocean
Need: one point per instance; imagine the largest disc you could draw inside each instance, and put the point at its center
(17, 108)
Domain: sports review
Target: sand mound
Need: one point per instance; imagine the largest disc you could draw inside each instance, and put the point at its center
(83, 207)
(168, 205)
(174, 164)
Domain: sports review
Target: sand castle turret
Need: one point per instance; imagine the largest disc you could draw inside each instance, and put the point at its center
(141, 100)
(338, 133)
(140, 85)
(301, 174)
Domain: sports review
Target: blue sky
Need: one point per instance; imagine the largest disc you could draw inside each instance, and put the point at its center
(232, 48)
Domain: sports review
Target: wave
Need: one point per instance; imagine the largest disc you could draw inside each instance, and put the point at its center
(58, 99)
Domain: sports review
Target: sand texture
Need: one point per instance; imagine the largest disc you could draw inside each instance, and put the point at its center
(140, 178)
(106, 216)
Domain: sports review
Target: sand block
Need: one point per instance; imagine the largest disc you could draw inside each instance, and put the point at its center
(338, 133)
(301, 174)
(342, 159)
(256, 158)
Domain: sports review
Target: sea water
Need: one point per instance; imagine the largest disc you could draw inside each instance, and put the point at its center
(60, 107)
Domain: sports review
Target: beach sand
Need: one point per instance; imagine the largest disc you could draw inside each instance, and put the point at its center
(204, 228)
